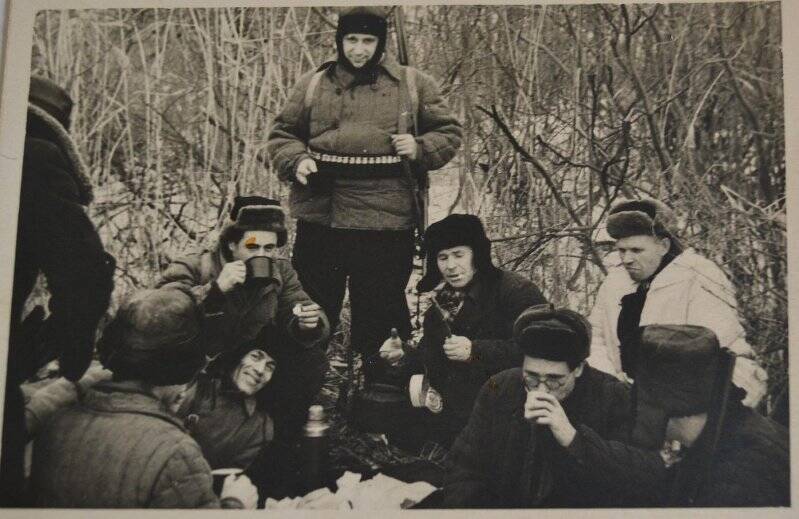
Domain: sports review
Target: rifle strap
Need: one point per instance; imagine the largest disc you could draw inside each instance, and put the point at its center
(309, 92)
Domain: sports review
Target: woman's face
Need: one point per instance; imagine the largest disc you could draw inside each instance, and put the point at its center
(457, 265)
(253, 372)
(359, 48)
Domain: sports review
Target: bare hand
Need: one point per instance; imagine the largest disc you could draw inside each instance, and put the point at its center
(94, 375)
(544, 409)
(240, 487)
(391, 350)
(308, 315)
(405, 145)
(305, 168)
(232, 274)
(458, 348)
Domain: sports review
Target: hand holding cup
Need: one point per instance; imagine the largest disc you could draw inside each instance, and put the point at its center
(308, 315)
(240, 487)
(233, 273)
(541, 408)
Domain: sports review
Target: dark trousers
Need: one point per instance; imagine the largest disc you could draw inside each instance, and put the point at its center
(374, 265)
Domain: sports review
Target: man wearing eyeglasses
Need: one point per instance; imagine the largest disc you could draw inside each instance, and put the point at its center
(552, 432)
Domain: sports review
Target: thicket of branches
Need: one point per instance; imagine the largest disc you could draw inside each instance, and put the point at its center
(565, 109)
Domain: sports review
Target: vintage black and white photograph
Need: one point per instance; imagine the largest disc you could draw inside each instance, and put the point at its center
(384, 257)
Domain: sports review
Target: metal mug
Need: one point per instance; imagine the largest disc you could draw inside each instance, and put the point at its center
(260, 270)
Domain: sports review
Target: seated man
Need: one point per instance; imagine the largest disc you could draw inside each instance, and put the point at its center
(122, 446)
(653, 280)
(723, 453)
(550, 433)
(243, 311)
(224, 414)
(230, 415)
(467, 332)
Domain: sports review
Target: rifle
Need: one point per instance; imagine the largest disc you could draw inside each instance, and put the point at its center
(418, 183)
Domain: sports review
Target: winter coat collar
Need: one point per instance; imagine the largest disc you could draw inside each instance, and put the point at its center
(673, 273)
(132, 397)
(67, 145)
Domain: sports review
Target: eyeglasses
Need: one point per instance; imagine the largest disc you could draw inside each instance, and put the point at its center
(532, 381)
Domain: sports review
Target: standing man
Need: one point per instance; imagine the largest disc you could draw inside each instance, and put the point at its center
(655, 281)
(340, 141)
(56, 238)
(244, 312)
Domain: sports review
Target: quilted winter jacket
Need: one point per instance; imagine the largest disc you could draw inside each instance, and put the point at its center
(359, 121)
(119, 448)
(690, 290)
(238, 317)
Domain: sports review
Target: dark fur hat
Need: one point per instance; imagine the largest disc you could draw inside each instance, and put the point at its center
(648, 217)
(362, 20)
(453, 231)
(559, 335)
(257, 213)
(51, 98)
(156, 336)
(681, 371)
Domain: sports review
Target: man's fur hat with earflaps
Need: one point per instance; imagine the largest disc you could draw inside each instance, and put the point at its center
(453, 231)
(258, 213)
(648, 217)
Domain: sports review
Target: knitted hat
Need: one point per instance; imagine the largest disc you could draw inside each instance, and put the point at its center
(647, 217)
(49, 110)
(681, 372)
(453, 231)
(362, 20)
(559, 335)
(258, 213)
(157, 337)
